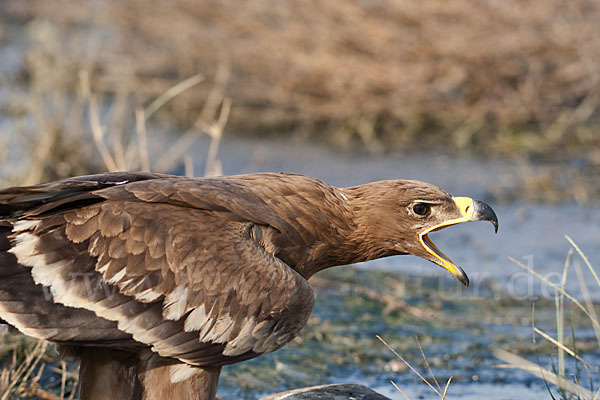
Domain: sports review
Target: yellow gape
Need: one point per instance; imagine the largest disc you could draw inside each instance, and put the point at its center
(466, 207)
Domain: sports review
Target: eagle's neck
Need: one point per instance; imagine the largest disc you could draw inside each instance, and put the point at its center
(355, 229)
(375, 234)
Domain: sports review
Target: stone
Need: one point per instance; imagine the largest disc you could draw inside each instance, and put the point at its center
(329, 392)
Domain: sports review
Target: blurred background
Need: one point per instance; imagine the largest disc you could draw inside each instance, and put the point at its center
(495, 99)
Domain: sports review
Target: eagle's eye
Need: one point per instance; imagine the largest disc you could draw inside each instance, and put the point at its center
(421, 209)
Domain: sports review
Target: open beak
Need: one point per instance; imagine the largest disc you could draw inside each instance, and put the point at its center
(470, 210)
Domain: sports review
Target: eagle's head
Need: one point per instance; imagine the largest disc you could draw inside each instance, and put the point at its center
(397, 216)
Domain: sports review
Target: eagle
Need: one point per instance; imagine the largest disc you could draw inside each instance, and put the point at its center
(155, 282)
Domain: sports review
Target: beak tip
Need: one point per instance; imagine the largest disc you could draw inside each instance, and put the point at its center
(483, 212)
(462, 276)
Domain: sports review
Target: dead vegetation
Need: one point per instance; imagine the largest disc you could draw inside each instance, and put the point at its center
(489, 76)
(437, 389)
(61, 125)
(33, 370)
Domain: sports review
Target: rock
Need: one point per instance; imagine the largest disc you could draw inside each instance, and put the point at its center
(329, 392)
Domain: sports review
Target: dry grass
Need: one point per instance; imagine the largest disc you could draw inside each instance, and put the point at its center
(435, 386)
(486, 75)
(25, 374)
(55, 133)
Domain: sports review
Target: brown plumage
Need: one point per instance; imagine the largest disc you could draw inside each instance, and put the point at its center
(155, 282)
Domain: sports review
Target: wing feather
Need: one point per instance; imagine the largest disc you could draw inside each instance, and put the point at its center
(168, 264)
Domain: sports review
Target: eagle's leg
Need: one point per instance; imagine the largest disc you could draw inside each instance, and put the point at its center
(161, 378)
(106, 374)
(118, 375)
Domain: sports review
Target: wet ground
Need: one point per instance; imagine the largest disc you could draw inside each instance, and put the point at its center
(458, 335)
